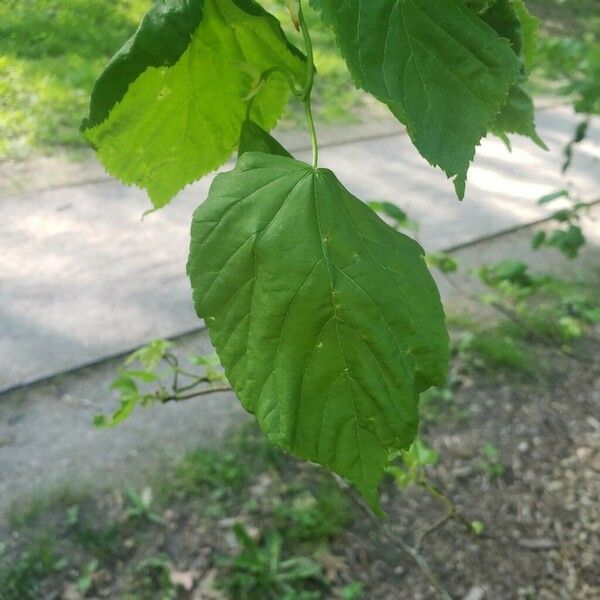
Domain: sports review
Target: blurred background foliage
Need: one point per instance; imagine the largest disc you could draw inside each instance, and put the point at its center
(51, 52)
(568, 58)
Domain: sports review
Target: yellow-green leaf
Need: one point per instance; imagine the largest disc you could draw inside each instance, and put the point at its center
(170, 106)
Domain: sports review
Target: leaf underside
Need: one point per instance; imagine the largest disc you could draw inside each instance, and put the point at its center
(440, 69)
(326, 320)
(161, 119)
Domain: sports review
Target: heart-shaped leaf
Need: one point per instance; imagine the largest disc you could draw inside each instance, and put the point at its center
(326, 319)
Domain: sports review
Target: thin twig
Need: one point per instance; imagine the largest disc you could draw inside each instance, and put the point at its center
(423, 565)
(187, 373)
(396, 540)
(451, 508)
(429, 530)
(210, 390)
(551, 343)
(191, 386)
(172, 361)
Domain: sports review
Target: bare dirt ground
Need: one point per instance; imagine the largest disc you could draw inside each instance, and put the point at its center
(542, 515)
(540, 506)
(539, 501)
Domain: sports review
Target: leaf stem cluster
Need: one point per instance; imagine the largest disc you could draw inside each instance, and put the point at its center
(188, 390)
(302, 93)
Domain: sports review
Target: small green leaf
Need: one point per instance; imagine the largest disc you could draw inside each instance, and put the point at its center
(402, 478)
(442, 261)
(129, 398)
(326, 320)
(388, 209)
(580, 132)
(397, 217)
(205, 361)
(143, 376)
(149, 355)
(554, 196)
(563, 215)
(477, 527)
(568, 241)
(169, 107)
(419, 455)
(441, 70)
(570, 327)
(124, 384)
(538, 240)
(506, 271)
(254, 138)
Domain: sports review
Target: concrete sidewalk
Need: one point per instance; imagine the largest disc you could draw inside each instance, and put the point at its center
(46, 433)
(82, 277)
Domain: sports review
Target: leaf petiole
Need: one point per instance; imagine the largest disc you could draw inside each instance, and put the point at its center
(310, 76)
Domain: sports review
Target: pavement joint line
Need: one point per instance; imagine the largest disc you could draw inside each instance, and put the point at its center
(177, 336)
(492, 236)
(300, 148)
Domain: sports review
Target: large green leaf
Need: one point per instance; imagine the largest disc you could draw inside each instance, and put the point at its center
(442, 71)
(169, 107)
(326, 319)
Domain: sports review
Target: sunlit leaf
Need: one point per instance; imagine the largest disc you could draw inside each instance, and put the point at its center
(169, 107)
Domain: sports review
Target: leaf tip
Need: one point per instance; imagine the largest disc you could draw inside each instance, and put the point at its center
(460, 185)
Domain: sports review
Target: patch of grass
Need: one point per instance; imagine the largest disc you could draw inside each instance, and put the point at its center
(544, 321)
(208, 470)
(440, 404)
(27, 512)
(491, 462)
(152, 581)
(460, 321)
(352, 591)
(140, 506)
(258, 452)
(101, 540)
(314, 516)
(260, 571)
(51, 52)
(561, 312)
(492, 350)
(21, 577)
(212, 479)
